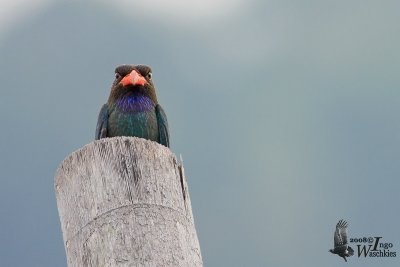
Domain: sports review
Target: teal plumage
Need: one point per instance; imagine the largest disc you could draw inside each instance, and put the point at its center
(132, 108)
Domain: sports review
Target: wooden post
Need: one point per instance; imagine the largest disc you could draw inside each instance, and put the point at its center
(124, 201)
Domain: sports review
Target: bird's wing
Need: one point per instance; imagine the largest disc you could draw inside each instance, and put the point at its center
(340, 237)
(102, 123)
(162, 126)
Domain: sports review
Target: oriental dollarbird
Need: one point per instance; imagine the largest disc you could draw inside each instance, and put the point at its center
(132, 108)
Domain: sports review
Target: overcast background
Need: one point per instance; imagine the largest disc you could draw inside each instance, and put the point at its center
(286, 114)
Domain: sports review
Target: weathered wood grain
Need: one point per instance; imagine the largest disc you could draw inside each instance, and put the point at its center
(124, 201)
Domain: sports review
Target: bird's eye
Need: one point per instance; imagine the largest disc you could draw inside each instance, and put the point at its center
(117, 76)
(149, 75)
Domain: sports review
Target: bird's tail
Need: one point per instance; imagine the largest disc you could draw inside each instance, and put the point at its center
(350, 250)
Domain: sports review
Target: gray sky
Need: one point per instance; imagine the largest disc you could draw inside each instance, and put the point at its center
(285, 112)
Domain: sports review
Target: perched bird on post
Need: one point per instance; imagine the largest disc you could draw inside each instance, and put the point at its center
(132, 108)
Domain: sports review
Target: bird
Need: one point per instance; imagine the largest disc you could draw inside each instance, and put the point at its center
(340, 241)
(132, 108)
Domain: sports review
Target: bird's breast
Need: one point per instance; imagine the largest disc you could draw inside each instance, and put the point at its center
(133, 116)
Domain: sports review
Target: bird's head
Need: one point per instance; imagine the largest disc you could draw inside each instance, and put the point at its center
(133, 80)
(331, 251)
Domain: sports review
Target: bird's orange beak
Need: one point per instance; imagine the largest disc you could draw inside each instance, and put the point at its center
(133, 78)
